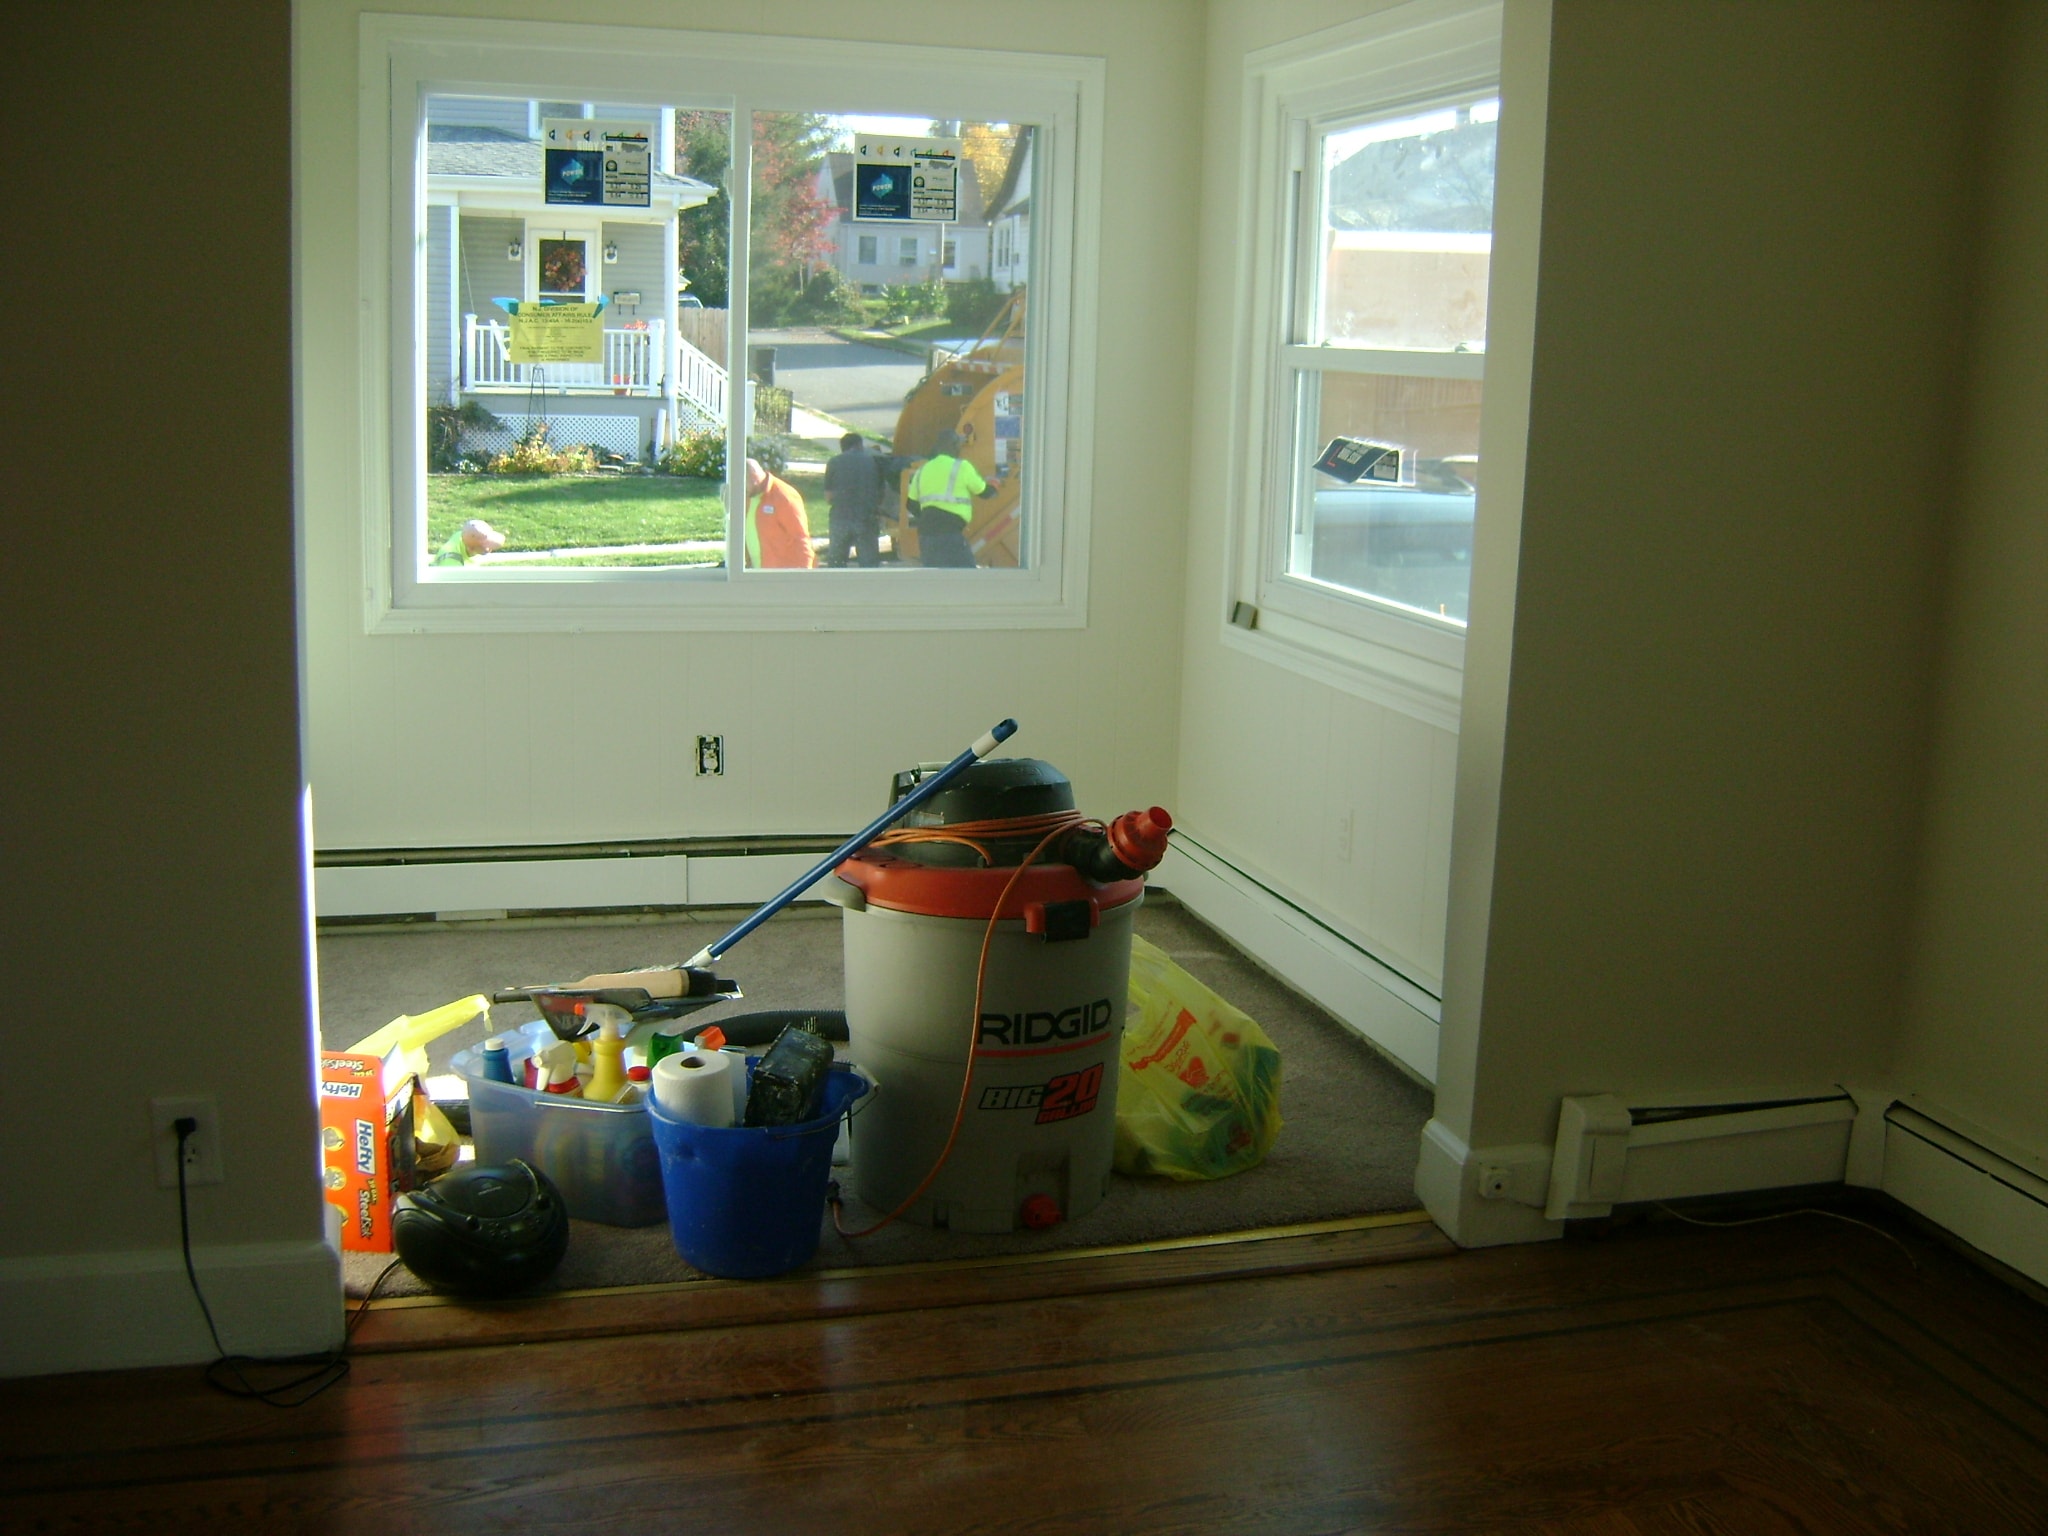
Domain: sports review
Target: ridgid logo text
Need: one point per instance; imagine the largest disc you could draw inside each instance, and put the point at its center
(1076, 1023)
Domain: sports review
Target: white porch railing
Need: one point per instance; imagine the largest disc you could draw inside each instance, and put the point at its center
(632, 361)
(632, 365)
(700, 387)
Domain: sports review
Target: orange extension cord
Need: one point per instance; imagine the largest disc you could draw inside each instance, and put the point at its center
(1050, 826)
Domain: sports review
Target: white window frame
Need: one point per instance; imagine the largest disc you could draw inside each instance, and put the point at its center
(405, 58)
(1409, 56)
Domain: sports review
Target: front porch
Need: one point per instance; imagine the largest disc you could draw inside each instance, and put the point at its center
(642, 363)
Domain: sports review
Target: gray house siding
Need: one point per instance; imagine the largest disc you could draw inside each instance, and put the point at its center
(639, 269)
(443, 349)
(487, 273)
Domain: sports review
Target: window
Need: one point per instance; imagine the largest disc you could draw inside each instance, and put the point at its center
(481, 354)
(951, 252)
(1368, 293)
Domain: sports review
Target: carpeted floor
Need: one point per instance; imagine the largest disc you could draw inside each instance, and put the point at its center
(1348, 1147)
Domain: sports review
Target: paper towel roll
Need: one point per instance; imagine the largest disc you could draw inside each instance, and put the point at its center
(695, 1086)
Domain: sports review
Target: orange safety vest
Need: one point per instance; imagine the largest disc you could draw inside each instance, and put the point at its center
(778, 530)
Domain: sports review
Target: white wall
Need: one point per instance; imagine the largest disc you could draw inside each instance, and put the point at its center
(430, 740)
(1976, 1038)
(1741, 446)
(1273, 762)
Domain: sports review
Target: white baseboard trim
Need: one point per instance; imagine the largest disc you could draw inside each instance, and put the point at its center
(498, 886)
(1380, 1004)
(1485, 1197)
(1990, 1202)
(119, 1311)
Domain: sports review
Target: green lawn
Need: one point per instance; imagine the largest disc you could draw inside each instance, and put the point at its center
(596, 513)
(576, 511)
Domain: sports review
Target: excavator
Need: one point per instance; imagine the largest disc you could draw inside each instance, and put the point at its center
(977, 391)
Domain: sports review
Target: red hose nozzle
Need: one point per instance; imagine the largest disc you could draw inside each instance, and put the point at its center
(1139, 837)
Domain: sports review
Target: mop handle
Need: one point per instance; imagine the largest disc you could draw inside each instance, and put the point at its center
(1000, 732)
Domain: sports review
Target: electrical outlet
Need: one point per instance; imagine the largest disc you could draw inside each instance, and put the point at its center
(710, 755)
(1340, 836)
(202, 1147)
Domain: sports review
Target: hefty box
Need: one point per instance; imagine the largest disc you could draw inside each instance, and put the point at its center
(355, 1154)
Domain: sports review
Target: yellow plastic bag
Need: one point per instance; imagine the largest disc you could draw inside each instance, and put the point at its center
(1198, 1093)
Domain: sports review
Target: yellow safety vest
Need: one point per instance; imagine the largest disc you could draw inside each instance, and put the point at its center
(947, 484)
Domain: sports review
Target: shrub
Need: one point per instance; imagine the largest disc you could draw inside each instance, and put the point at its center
(702, 454)
(772, 407)
(973, 303)
(533, 454)
(447, 425)
(828, 298)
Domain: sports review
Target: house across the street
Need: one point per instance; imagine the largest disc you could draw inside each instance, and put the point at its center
(492, 235)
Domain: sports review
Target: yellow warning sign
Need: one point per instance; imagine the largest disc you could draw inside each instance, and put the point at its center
(557, 333)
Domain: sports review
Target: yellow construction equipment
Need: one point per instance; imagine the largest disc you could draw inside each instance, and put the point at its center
(979, 393)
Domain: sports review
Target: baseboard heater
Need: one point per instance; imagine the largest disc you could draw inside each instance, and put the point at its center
(1610, 1153)
(497, 882)
(1957, 1182)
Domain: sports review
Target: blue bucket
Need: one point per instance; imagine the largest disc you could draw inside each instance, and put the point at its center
(746, 1202)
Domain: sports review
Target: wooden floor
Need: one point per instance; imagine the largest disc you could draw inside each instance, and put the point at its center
(1797, 1376)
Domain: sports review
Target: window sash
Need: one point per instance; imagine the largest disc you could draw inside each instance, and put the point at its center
(1410, 58)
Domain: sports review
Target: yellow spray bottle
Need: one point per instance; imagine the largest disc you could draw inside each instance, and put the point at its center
(608, 1082)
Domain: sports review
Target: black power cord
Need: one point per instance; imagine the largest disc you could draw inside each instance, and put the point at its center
(229, 1373)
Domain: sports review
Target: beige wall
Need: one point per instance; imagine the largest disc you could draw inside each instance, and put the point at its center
(154, 924)
(1743, 434)
(428, 740)
(1976, 1037)
(1272, 762)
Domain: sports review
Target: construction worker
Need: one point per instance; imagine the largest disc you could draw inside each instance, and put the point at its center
(473, 538)
(941, 494)
(777, 533)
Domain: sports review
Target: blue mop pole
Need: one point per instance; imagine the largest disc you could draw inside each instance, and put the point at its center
(997, 734)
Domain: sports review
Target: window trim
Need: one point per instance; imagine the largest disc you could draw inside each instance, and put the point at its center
(404, 58)
(1409, 55)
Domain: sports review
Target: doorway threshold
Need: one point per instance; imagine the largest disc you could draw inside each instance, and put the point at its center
(448, 1322)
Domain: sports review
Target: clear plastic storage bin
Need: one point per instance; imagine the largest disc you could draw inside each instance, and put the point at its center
(601, 1156)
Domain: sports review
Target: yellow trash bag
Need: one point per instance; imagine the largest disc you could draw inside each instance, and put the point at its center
(1198, 1093)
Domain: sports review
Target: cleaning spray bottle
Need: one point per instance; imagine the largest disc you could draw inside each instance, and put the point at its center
(608, 1081)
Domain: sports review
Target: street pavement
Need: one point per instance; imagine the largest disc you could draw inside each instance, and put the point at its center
(861, 385)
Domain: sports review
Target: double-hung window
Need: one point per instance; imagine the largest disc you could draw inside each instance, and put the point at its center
(1372, 159)
(608, 294)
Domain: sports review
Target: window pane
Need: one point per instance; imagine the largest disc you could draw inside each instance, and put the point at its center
(529, 451)
(855, 329)
(1409, 542)
(1406, 230)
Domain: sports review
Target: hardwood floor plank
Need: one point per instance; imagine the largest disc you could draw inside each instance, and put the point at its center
(1661, 1381)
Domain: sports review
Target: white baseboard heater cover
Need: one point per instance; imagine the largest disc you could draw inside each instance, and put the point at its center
(429, 886)
(1609, 1153)
(1987, 1200)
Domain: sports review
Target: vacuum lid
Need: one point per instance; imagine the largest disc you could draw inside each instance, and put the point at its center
(995, 789)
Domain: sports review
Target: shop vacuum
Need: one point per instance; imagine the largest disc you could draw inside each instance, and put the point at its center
(993, 908)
